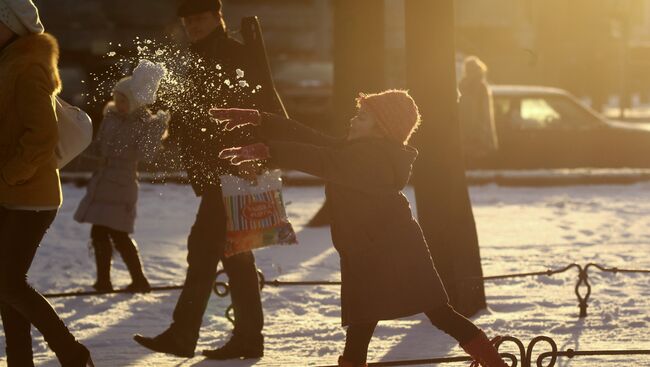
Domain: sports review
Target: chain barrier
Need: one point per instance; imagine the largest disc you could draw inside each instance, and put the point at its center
(222, 288)
(582, 288)
(114, 291)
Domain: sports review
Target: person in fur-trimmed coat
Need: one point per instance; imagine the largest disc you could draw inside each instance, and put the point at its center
(30, 190)
(386, 269)
(129, 133)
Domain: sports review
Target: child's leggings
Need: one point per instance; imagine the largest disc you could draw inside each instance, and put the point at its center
(445, 318)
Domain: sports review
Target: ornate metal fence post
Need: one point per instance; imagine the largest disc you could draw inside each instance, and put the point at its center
(583, 280)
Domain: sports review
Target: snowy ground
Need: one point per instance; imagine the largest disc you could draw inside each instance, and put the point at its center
(521, 229)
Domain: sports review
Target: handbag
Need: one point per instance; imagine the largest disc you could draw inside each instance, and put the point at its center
(255, 213)
(75, 132)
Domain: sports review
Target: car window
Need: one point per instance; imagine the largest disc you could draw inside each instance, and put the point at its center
(551, 112)
(535, 113)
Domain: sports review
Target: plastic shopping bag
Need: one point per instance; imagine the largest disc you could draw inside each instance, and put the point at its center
(255, 213)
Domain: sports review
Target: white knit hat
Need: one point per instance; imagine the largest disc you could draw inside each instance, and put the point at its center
(21, 16)
(141, 88)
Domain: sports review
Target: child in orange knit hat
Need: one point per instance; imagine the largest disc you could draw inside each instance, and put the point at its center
(386, 268)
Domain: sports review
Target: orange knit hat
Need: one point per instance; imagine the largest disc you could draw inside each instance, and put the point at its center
(395, 112)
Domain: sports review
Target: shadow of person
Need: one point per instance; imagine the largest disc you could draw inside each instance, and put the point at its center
(573, 342)
(421, 340)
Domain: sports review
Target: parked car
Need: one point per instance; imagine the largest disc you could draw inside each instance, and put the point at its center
(540, 127)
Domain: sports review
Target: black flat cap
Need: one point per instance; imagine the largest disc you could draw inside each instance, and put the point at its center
(191, 7)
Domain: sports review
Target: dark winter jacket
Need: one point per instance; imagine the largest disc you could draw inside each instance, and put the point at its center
(121, 142)
(198, 138)
(386, 269)
(476, 114)
(29, 81)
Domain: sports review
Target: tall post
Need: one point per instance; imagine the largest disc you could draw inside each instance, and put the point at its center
(443, 205)
(359, 64)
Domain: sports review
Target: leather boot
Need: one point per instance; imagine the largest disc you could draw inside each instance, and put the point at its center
(483, 351)
(131, 257)
(167, 343)
(238, 347)
(103, 258)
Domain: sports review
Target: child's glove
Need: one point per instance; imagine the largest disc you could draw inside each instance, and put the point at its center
(248, 153)
(236, 117)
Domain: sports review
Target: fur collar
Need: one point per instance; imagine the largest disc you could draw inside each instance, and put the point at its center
(33, 50)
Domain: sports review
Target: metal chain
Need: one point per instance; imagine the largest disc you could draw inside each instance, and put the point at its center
(222, 288)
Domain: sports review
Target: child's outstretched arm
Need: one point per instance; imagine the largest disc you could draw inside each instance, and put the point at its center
(272, 126)
(279, 128)
(355, 165)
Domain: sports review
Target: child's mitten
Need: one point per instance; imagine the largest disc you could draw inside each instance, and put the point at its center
(236, 117)
(247, 153)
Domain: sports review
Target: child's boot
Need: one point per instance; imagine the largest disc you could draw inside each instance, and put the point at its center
(129, 251)
(483, 351)
(103, 257)
(344, 363)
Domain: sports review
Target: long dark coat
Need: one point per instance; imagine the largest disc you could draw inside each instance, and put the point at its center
(196, 136)
(386, 268)
(476, 115)
(112, 193)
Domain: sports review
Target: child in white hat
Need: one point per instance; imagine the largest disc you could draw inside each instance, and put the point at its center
(128, 134)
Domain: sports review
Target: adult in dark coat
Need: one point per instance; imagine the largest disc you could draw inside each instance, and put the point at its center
(199, 140)
(476, 111)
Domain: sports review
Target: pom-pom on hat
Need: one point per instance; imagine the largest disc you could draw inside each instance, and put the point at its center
(191, 7)
(142, 87)
(395, 112)
(21, 16)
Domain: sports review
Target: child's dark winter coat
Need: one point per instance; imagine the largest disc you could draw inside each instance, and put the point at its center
(386, 268)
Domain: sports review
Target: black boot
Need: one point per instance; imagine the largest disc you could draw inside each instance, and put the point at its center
(238, 347)
(129, 251)
(165, 343)
(103, 258)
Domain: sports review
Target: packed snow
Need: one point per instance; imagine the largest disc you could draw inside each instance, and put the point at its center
(520, 229)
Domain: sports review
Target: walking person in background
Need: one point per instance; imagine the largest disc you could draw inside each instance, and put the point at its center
(386, 269)
(129, 133)
(476, 111)
(30, 190)
(198, 140)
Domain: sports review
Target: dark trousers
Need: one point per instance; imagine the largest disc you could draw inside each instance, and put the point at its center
(104, 235)
(21, 306)
(205, 249)
(445, 318)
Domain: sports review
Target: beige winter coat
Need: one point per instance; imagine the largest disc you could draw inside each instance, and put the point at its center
(29, 82)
